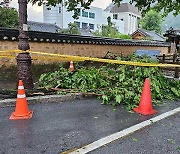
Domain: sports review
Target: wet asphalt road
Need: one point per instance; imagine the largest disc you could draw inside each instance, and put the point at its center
(59, 127)
(162, 137)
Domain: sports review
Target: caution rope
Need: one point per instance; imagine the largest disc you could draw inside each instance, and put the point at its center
(6, 56)
(78, 58)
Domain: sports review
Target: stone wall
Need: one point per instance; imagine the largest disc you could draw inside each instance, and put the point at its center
(89, 50)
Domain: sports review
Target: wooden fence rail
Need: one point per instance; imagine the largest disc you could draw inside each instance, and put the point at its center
(171, 59)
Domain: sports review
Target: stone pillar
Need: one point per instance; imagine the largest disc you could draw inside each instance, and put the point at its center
(173, 48)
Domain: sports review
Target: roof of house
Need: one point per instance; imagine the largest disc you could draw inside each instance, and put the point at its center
(124, 7)
(42, 27)
(52, 28)
(155, 36)
(172, 32)
(109, 7)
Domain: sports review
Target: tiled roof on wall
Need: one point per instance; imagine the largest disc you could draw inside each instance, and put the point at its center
(12, 35)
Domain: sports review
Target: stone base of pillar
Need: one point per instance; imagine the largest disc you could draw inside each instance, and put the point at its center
(24, 71)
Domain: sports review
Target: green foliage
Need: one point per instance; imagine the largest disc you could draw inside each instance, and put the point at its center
(165, 6)
(117, 84)
(152, 21)
(110, 31)
(72, 29)
(8, 17)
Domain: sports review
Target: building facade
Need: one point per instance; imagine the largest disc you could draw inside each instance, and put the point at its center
(125, 17)
(92, 18)
(127, 13)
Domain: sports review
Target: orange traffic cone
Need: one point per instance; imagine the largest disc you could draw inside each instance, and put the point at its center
(145, 105)
(71, 68)
(21, 110)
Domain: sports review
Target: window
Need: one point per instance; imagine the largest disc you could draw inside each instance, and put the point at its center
(77, 23)
(84, 25)
(115, 16)
(84, 14)
(59, 9)
(91, 26)
(92, 15)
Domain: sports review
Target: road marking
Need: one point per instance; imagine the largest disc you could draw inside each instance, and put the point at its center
(97, 144)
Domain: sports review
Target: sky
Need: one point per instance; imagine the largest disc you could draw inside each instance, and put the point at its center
(35, 12)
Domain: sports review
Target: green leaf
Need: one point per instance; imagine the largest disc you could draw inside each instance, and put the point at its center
(105, 98)
(118, 99)
(135, 139)
(114, 110)
(175, 91)
(171, 141)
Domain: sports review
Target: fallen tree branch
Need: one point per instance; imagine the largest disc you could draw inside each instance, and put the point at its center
(75, 91)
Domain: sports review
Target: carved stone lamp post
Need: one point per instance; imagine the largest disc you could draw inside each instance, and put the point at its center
(24, 59)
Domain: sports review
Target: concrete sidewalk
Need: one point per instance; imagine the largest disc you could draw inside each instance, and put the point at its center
(58, 127)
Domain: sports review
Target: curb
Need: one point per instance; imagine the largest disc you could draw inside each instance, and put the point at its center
(47, 99)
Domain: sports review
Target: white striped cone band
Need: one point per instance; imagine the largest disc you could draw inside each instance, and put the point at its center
(71, 66)
(21, 96)
(20, 87)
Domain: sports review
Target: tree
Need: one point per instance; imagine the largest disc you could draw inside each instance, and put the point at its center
(110, 30)
(144, 5)
(72, 29)
(152, 21)
(8, 17)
